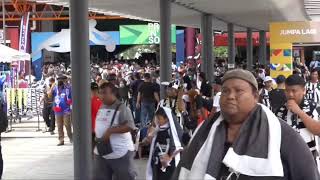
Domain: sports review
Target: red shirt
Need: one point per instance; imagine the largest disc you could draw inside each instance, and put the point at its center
(95, 105)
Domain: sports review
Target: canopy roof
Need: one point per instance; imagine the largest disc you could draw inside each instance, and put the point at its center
(256, 14)
(8, 55)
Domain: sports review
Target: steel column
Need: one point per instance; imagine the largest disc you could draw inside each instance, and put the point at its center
(165, 43)
(80, 64)
(231, 45)
(262, 48)
(207, 51)
(249, 50)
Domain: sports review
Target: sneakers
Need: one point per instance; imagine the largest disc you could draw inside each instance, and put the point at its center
(60, 144)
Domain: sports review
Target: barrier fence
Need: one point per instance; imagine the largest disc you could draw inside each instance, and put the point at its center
(23, 103)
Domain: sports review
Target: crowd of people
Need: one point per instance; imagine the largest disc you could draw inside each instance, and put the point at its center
(242, 125)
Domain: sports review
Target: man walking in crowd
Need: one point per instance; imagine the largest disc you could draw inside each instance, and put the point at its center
(48, 114)
(301, 114)
(95, 106)
(205, 88)
(172, 100)
(313, 87)
(264, 94)
(113, 125)
(148, 98)
(62, 108)
(314, 63)
(134, 88)
(278, 96)
(245, 141)
(216, 99)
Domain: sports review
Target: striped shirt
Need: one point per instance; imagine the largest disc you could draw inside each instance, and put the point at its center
(313, 92)
(265, 98)
(309, 107)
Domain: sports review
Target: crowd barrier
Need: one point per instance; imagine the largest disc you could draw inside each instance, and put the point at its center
(23, 103)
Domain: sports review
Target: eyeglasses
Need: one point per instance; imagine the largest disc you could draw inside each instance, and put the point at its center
(231, 176)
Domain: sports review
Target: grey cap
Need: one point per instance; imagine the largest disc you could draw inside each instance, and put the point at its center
(241, 74)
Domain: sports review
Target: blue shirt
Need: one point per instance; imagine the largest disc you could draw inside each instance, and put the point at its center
(62, 99)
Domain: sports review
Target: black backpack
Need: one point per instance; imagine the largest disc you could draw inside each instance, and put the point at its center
(3, 119)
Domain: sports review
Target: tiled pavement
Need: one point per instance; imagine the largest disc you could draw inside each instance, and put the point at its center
(34, 155)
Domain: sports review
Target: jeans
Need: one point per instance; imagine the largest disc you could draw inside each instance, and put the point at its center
(136, 111)
(116, 169)
(147, 113)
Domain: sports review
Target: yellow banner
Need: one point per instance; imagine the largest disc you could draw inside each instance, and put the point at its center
(295, 32)
(280, 59)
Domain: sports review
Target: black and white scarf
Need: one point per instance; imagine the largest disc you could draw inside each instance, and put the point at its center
(256, 152)
(265, 98)
(176, 135)
(310, 108)
(313, 92)
(173, 105)
(170, 103)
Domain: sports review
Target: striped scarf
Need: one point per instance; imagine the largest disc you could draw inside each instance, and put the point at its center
(265, 98)
(170, 103)
(313, 92)
(297, 124)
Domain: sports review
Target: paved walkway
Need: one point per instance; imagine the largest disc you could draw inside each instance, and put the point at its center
(34, 155)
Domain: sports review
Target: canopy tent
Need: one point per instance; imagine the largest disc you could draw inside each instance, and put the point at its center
(8, 55)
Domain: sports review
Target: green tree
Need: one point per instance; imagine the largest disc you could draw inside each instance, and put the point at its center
(221, 52)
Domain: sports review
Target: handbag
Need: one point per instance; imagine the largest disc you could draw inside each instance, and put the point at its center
(103, 147)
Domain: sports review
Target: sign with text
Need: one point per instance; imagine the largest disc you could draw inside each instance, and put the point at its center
(295, 32)
(143, 34)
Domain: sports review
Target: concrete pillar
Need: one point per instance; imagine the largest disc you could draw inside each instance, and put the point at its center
(262, 48)
(165, 43)
(207, 51)
(81, 113)
(249, 50)
(231, 45)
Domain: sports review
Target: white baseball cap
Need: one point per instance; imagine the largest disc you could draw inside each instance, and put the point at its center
(267, 78)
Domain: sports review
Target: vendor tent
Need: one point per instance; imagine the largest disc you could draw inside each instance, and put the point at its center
(8, 55)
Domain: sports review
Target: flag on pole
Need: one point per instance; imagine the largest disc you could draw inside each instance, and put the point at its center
(23, 38)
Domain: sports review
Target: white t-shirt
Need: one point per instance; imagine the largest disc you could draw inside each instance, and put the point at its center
(216, 101)
(121, 143)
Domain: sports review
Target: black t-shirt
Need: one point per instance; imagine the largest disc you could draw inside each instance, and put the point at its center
(186, 79)
(277, 99)
(224, 170)
(147, 90)
(135, 87)
(206, 89)
(203, 103)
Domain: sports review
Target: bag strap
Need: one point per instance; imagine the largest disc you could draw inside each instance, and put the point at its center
(114, 114)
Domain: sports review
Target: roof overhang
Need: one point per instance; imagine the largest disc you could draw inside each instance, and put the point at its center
(243, 13)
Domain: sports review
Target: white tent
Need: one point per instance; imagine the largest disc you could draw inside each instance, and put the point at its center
(8, 55)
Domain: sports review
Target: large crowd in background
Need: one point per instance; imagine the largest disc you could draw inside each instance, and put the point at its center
(130, 120)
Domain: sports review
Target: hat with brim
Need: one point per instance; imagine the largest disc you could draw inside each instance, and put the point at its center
(267, 78)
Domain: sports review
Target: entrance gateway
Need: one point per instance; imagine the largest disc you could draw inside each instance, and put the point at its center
(282, 37)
